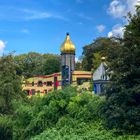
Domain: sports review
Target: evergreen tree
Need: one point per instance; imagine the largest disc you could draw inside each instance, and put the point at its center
(122, 106)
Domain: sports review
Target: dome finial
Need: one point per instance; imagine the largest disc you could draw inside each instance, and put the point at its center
(67, 33)
(67, 46)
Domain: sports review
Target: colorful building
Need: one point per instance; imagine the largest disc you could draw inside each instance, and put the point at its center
(47, 83)
(100, 77)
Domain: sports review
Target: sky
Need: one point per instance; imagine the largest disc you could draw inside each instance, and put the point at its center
(41, 25)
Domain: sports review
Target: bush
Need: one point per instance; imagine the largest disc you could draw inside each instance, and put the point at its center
(68, 128)
(6, 132)
(62, 115)
(41, 113)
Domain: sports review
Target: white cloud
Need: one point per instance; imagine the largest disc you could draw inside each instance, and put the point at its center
(32, 14)
(83, 16)
(100, 28)
(2, 46)
(116, 9)
(131, 5)
(25, 31)
(117, 31)
(120, 8)
(16, 14)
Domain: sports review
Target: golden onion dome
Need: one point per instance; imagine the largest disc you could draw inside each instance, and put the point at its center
(67, 46)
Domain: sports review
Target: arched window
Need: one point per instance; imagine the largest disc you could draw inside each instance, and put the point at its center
(40, 84)
(49, 83)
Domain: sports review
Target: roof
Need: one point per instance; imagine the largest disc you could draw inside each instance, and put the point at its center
(67, 46)
(100, 73)
(44, 77)
(82, 72)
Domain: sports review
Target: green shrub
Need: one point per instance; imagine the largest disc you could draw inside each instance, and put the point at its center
(6, 131)
(62, 115)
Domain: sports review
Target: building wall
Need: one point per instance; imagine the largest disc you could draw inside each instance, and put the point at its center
(45, 84)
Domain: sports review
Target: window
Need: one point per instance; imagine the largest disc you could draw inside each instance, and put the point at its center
(65, 72)
(33, 91)
(40, 84)
(49, 83)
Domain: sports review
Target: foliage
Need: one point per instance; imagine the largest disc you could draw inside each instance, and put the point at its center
(59, 115)
(10, 84)
(6, 132)
(87, 63)
(101, 47)
(35, 64)
(71, 129)
(62, 115)
(10, 91)
(51, 64)
(122, 107)
(48, 111)
(78, 65)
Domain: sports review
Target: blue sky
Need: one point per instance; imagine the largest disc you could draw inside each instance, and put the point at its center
(41, 25)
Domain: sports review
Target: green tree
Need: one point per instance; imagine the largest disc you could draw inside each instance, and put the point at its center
(30, 64)
(10, 84)
(78, 65)
(35, 64)
(51, 64)
(10, 92)
(87, 62)
(101, 47)
(122, 106)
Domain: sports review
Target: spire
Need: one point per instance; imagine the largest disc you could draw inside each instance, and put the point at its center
(67, 46)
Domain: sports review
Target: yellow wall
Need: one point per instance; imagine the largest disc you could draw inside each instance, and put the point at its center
(76, 74)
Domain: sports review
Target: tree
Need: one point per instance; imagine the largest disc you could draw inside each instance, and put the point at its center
(122, 107)
(35, 64)
(51, 64)
(10, 84)
(87, 62)
(78, 65)
(101, 47)
(30, 64)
